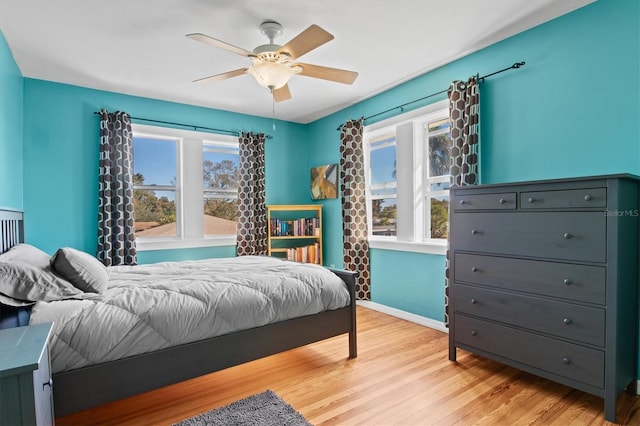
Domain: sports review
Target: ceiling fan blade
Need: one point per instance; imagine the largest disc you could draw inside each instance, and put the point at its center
(309, 39)
(222, 76)
(326, 73)
(282, 94)
(221, 44)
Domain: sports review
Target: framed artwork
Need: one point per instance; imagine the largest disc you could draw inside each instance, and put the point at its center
(324, 182)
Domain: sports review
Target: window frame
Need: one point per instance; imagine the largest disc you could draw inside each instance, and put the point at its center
(189, 188)
(411, 229)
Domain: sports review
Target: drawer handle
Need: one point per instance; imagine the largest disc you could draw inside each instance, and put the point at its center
(463, 202)
(49, 383)
(531, 200)
(474, 302)
(567, 236)
(502, 201)
(474, 269)
(474, 333)
(588, 197)
(566, 360)
(567, 321)
(474, 232)
(567, 281)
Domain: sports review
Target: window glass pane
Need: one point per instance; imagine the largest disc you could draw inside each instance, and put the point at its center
(439, 155)
(220, 168)
(383, 165)
(384, 213)
(220, 214)
(439, 216)
(154, 161)
(221, 174)
(439, 148)
(155, 213)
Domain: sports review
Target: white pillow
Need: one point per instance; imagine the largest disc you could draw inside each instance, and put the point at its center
(27, 282)
(26, 253)
(80, 269)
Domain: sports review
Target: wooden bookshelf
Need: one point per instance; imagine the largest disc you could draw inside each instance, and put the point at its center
(295, 232)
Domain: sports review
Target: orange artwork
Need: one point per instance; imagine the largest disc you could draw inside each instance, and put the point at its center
(324, 182)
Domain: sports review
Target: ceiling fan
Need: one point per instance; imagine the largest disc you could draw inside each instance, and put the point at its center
(273, 64)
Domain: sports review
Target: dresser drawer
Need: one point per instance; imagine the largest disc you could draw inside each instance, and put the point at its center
(566, 320)
(42, 385)
(501, 201)
(555, 235)
(570, 199)
(569, 360)
(580, 283)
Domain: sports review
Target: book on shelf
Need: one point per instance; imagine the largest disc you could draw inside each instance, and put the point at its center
(305, 254)
(304, 227)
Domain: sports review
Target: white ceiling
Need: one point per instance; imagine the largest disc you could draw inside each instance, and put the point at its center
(139, 47)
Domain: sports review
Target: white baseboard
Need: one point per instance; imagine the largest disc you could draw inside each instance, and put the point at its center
(418, 319)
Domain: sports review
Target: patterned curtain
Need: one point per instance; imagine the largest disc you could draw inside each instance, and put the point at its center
(116, 225)
(464, 113)
(252, 220)
(354, 205)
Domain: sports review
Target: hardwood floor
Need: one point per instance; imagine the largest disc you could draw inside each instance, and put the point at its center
(402, 376)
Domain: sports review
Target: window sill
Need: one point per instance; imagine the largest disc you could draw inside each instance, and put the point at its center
(439, 247)
(168, 244)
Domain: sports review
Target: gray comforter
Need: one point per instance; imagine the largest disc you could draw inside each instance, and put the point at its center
(150, 307)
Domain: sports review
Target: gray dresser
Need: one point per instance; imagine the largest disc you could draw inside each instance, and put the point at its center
(25, 376)
(544, 277)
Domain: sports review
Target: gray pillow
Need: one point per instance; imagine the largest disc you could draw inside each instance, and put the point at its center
(27, 282)
(80, 269)
(15, 303)
(26, 253)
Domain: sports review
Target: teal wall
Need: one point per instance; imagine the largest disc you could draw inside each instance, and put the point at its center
(572, 110)
(416, 291)
(11, 125)
(61, 143)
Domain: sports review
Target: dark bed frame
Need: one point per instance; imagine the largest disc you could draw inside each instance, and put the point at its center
(95, 385)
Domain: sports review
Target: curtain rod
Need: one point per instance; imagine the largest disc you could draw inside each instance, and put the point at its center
(194, 127)
(514, 66)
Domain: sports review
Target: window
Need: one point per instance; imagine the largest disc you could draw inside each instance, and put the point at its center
(437, 182)
(383, 185)
(154, 185)
(185, 188)
(220, 176)
(407, 160)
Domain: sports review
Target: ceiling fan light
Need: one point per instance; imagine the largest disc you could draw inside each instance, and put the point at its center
(271, 75)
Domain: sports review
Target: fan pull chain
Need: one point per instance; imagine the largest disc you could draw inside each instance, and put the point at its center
(273, 111)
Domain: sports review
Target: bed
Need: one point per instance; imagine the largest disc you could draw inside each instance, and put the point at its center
(92, 384)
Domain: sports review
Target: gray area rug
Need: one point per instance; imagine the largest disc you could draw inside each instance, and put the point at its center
(265, 408)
